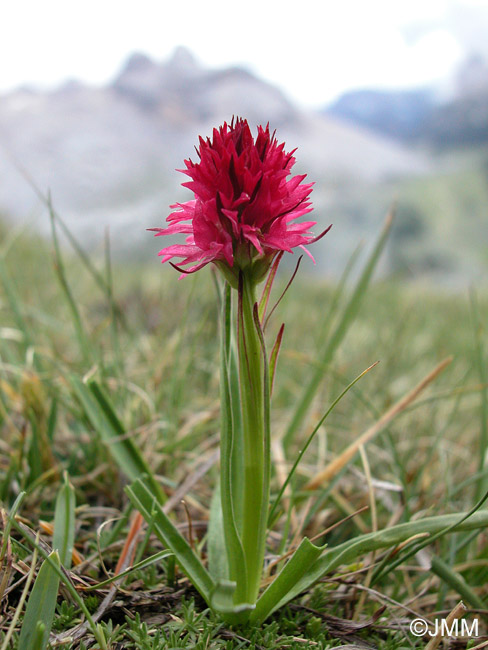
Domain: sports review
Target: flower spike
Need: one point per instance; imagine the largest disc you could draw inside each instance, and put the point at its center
(245, 209)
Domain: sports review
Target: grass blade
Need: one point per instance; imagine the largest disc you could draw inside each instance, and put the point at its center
(456, 582)
(157, 557)
(11, 517)
(338, 293)
(326, 355)
(119, 358)
(104, 420)
(311, 437)
(97, 276)
(64, 523)
(85, 259)
(58, 570)
(143, 499)
(23, 597)
(41, 606)
(400, 558)
(81, 335)
(14, 303)
(481, 366)
(338, 463)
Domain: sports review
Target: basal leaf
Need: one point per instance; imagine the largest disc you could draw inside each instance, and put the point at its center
(291, 573)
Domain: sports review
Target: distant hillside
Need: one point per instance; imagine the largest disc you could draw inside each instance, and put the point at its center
(460, 123)
(419, 116)
(398, 114)
(108, 154)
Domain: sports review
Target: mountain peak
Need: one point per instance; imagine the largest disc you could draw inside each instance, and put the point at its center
(182, 57)
(147, 81)
(137, 63)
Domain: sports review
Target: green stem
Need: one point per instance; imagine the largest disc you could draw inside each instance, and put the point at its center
(255, 414)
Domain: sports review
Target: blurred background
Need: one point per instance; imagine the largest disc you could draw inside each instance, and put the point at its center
(386, 102)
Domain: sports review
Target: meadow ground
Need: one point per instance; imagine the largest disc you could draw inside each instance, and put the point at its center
(148, 343)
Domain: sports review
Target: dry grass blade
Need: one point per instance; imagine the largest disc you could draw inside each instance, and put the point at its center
(374, 521)
(337, 464)
(343, 627)
(456, 613)
(311, 437)
(5, 556)
(193, 478)
(326, 354)
(279, 463)
(22, 600)
(484, 644)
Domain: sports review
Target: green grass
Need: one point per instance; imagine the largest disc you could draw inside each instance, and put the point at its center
(441, 226)
(444, 221)
(151, 343)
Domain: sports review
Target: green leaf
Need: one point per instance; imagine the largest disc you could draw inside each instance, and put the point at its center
(122, 448)
(293, 570)
(326, 354)
(142, 498)
(351, 550)
(64, 523)
(222, 600)
(41, 606)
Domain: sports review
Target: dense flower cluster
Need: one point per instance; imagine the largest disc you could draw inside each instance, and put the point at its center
(244, 208)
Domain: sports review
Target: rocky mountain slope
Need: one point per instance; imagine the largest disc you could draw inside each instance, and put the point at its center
(107, 154)
(458, 119)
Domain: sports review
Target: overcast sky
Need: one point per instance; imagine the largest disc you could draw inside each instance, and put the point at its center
(314, 50)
